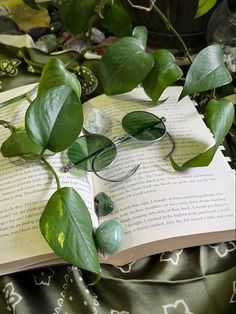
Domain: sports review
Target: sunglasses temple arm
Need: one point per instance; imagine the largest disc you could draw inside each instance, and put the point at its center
(173, 145)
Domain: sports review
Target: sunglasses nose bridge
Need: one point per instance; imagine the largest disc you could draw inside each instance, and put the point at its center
(117, 140)
(69, 166)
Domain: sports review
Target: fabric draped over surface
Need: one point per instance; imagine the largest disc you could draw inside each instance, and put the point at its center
(196, 280)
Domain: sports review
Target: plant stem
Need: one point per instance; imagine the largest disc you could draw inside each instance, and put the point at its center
(52, 171)
(7, 125)
(94, 47)
(141, 7)
(171, 27)
(213, 93)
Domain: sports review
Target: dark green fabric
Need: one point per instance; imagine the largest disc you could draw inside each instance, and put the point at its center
(199, 280)
(22, 66)
(13, 69)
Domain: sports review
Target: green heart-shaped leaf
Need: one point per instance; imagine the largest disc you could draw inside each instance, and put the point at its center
(76, 14)
(19, 144)
(116, 19)
(55, 74)
(219, 118)
(54, 119)
(141, 34)
(207, 71)
(204, 6)
(164, 73)
(200, 160)
(124, 65)
(67, 227)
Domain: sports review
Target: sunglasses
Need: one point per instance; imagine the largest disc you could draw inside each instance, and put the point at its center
(95, 152)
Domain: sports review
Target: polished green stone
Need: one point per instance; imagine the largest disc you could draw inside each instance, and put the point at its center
(109, 236)
(103, 204)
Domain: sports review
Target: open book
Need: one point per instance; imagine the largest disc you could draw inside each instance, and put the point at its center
(160, 209)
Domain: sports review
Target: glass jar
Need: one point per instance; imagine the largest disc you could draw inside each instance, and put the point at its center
(222, 30)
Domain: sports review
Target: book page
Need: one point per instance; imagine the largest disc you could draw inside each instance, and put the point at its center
(158, 202)
(25, 188)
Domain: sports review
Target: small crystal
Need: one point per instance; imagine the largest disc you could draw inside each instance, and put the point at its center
(47, 43)
(96, 36)
(75, 43)
(103, 204)
(109, 236)
(95, 120)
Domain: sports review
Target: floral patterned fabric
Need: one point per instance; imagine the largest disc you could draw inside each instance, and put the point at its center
(199, 280)
(14, 71)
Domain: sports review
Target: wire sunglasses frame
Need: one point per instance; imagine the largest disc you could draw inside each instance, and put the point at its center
(95, 152)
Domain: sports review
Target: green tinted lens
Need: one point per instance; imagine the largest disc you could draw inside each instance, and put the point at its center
(143, 126)
(90, 151)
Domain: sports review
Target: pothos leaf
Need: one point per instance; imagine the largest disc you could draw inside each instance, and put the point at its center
(67, 227)
(116, 19)
(19, 144)
(124, 65)
(75, 14)
(219, 118)
(53, 120)
(204, 6)
(200, 160)
(207, 71)
(55, 74)
(164, 73)
(141, 34)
